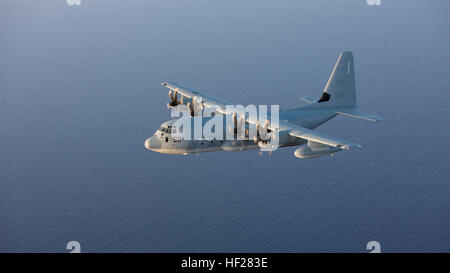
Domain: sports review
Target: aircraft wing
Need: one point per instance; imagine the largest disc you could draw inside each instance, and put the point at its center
(207, 100)
(301, 132)
(294, 130)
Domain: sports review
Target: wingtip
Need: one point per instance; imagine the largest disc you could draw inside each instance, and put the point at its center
(376, 118)
(348, 147)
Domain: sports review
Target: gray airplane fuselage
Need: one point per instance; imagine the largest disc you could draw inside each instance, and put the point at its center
(162, 140)
(289, 127)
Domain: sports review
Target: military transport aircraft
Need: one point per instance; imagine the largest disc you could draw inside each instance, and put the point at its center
(295, 126)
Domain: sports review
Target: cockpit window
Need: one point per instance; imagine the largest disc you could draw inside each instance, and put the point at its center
(168, 129)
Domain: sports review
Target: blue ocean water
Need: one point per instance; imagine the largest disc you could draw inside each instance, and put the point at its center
(79, 94)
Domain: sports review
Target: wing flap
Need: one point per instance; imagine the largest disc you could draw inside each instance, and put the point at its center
(354, 112)
(301, 132)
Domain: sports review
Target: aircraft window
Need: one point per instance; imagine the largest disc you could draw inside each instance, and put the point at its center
(168, 130)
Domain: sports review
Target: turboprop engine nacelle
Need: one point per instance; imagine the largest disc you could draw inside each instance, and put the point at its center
(315, 150)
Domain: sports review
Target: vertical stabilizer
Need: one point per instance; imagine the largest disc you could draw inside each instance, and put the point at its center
(340, 88)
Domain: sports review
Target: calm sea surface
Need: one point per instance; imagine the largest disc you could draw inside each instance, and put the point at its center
(79, 94)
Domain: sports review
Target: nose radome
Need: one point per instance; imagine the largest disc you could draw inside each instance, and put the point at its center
(153, 143)
(148, 144)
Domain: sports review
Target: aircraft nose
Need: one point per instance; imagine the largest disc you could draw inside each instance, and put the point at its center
(152, 143)
(147, 143)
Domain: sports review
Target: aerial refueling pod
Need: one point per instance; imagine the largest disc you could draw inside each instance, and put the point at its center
(315, 149)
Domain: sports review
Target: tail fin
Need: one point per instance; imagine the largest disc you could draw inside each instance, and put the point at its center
(340, 88)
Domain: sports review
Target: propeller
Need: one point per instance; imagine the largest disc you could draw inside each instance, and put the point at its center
(194, 106)
(174, 99)
(265, 138)
(238, 126)
(263, 133)
(190, 106)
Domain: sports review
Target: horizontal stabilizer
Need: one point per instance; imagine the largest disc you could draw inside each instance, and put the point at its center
(308, 99)
(355, 113)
